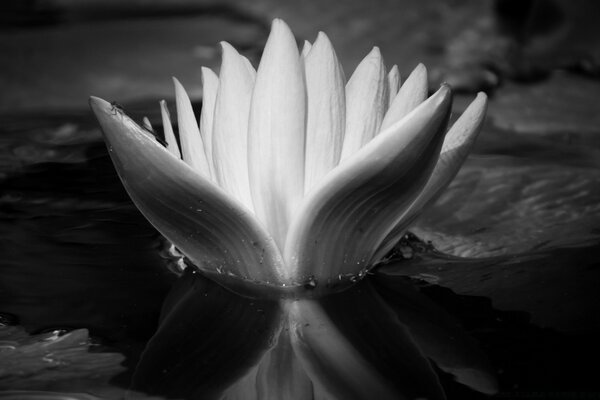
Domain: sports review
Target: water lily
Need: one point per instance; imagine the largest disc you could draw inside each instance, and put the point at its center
(289, 190)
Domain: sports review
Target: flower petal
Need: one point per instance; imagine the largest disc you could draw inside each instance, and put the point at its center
(439, 336)
(352, 347)
(207, 339)
(172, 145)
(366, 102)
(230, 132)
(276, 132)
(192, 146)
(210, 85)
(326, 114)
(393, 84)
(147, 124)
(412, 93)
(456, 147)
(305, 48)
(343, 221)
(208, 226)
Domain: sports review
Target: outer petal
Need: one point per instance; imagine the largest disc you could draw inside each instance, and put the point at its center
(353, 347)
(230, 134)
(208, 338)
(192, 146)
(326, 110)
(456, 147)
(366, 102)
(210, 85)
(276, 132)
(412, 93)
(199, 218)
(344, 220)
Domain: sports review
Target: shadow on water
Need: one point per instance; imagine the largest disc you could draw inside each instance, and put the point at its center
(528, 358)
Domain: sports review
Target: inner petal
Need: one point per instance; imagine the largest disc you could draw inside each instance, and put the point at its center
(192, 145)
(326, 110)
(276, 132)
(366, 102)
(230, 132)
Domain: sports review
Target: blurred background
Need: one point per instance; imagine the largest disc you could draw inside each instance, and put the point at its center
(55, 53)
(525, 209)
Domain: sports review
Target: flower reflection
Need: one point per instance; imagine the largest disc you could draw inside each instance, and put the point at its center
(288, 192)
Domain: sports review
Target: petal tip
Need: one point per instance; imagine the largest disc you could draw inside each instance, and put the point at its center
(177, 84)
(280, 26)
(98, 105)
(226, 48)
(375, 52)
(419, 73)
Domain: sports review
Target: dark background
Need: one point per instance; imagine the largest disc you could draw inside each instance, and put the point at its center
(525, 209)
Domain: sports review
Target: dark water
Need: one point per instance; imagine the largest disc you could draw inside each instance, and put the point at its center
(83, 276)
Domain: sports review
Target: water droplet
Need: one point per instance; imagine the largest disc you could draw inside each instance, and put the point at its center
(310, 283)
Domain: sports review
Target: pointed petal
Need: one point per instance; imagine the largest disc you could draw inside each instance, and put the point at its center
(147, 124)
(306, 49)
(192, 146)
(412, 93)
(341, 224)
(210, 85)
(366, 102)
(393, 83)
(353, 347)
(276, 132)
(208, 226)
(206, 340)
(230, 132)
(456, 147)
(326, 111)
(172, 145)
(439, 336)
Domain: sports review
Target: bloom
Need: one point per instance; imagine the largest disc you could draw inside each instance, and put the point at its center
(291, 187)
(295, 183)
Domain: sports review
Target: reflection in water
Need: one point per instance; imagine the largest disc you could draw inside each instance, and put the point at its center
(357, 342)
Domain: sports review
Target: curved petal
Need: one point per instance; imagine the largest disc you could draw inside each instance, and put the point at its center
(437, 334)
(230, 132)
(276, 132)
(210, 85)
(366, 102)
(353, 347)
(208, 338)
(326, 114)
(344, 220)
(192, 146)
(456, 147)
(208, 226)
(412, 93)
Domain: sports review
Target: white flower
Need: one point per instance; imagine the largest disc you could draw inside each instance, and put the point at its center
(295, 182)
